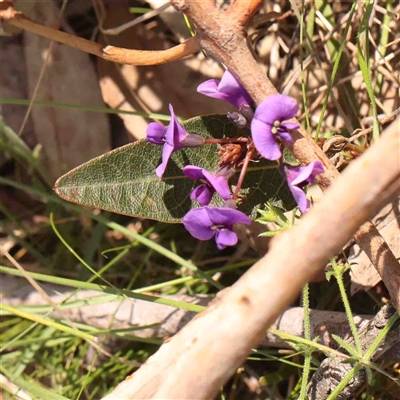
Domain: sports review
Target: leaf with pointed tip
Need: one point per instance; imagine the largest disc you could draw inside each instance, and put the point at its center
(124, 180)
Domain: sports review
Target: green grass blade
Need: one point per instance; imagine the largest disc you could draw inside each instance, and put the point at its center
(39, 319)
(363, 60)
(105, 289)
(39, 392)
(334, 70)
(105, 110)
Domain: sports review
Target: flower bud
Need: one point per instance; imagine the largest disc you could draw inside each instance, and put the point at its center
(192, 140)
(238, 119)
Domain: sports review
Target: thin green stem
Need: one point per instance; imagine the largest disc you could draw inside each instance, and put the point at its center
(105, 289)
(338, 273)
(105, 110)
(302, 74)
(335, 69)
(307, 336)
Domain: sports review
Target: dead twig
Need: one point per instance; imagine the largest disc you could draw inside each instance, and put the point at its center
(109, 53)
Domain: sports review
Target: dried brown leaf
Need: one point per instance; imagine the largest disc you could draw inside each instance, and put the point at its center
(363, 273)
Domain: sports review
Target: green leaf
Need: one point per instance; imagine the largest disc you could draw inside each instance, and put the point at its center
(124, 180)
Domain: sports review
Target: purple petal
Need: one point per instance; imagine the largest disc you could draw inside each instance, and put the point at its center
(193, 172)
(224, 238)
(226, 216)
(210, 88)
(228, 89)
(229, 84)
(265, 140)
(299, 175)
(196, 192)
(203, 193)
(285, 136)
(300, 197)
(198, 223)
(283, 131)
(290, 125)
(318, 168)
(175, 132)
(219, 183)
(166, 154)
(155, 133)
(174, 135)
(233, 88)
(203, 223)
(276, 107)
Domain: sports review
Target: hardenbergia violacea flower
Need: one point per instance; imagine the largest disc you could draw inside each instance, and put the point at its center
(230, 90)
(268, 126)
(217, 182)
(298, 177)
(173, 137)
(206, 222)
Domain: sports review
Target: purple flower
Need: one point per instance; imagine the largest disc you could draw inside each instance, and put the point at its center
(228, 89)
(217, 182)
(298, 177)
(267, 125)
(206, 222)
(173, 137)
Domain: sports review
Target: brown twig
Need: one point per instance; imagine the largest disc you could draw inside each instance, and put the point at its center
(241, 11)
(206, 357)
(109, 53)
(242, 175)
